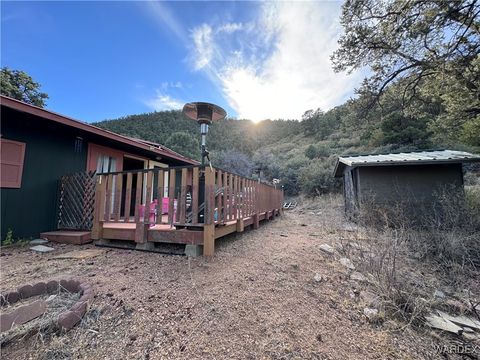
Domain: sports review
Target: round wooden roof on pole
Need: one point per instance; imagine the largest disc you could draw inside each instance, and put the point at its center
(204, 113)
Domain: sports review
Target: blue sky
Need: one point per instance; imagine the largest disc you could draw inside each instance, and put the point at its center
(100, 60)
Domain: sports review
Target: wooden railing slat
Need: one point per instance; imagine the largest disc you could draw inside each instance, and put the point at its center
(171, 195)
(195, 185)
(138, 196)
(160, 192)
(219, 197)
(108, 197)
(225, 197)
(118, 196)
(128, 198)
(148, 197)
(183, 197)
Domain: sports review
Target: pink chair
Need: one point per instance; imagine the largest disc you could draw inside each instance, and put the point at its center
(152, 213)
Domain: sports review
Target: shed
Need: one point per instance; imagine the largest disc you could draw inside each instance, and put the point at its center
(414, 178)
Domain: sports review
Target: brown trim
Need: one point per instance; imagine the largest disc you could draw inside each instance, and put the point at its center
(95, 149)
(7, 164)
(61, 119)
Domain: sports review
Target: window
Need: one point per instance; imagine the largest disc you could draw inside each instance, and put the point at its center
(12, 157)
(106, 163)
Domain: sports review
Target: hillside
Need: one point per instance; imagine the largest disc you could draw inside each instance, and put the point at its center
(302, 153)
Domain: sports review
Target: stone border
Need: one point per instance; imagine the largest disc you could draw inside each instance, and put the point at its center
(66, 320)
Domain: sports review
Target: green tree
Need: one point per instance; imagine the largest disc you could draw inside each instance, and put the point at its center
(399, 129)
(410, 39)
(19, 85)
(184, 144)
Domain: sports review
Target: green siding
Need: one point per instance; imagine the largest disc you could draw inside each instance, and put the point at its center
(49, 154)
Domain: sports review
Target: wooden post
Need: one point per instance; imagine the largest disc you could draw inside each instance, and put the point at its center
(195, 184)
(100, 187)
(240, 225)
(256, 221)
(209, 222)
(141, 232)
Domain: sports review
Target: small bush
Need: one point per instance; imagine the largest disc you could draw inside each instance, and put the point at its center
(8, 238)
(447, 232)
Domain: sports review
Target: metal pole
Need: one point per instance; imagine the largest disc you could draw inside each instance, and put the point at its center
(203, 132)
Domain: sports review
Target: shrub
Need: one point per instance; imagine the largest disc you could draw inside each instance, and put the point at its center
(317, 178)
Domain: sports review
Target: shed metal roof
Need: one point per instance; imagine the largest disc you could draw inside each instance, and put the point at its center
(405, 158)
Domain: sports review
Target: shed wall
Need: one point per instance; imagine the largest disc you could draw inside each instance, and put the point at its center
(413, 184)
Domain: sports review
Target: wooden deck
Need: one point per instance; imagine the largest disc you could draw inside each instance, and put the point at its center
(195, 206)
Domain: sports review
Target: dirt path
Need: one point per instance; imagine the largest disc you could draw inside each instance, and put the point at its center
(257, 298)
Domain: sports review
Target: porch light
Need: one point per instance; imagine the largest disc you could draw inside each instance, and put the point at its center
(204, 114)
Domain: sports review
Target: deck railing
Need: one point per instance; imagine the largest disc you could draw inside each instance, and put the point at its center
(181, 197)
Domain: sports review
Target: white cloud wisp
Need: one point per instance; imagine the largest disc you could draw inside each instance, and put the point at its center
(277, 66)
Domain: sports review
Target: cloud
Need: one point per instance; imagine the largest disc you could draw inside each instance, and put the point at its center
(163, 101)
(171, 85)
(279, 66)
(203, 46)
(162, 15)
(230, 27)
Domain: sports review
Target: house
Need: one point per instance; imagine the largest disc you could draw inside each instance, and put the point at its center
(411, 178)
(40, 147)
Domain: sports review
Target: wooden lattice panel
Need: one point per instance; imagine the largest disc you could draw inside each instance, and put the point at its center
(76, 201)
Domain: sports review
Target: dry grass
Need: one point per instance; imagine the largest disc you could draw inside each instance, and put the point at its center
(256, 299)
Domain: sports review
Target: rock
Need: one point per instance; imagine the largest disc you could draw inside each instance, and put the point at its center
(38, 242)
(283, 235)
(461, 320)
(370, 299)
(317, 277)
(22, 314)
(371, 314)
(355, 245)
(25, 291)
(42, 248)
(471, 336)
(327, 249)
(350, 228)
(439, 294)
(51, 298)
(358, 277)
(417, 255)
(438, 322)
(347, 263)
(68, 320)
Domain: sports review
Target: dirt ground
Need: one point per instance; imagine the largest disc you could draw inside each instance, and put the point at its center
(255, 299)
